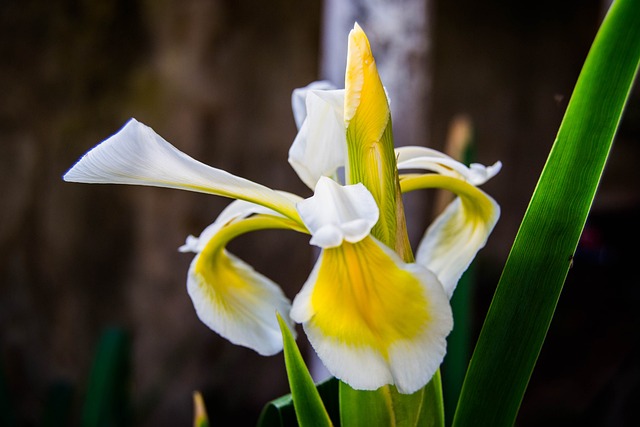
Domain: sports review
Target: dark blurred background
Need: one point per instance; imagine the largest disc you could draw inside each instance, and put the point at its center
(215, 78)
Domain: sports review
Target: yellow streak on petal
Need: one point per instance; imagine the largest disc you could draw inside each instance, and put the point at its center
(475, 201)
(363, 298)
(227, 286)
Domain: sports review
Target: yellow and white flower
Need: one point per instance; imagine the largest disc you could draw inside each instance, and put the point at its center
(373, 315)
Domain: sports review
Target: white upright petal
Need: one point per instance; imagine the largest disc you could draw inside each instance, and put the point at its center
(412, 157)
(235, 301)
(137, 155)
(299, 99)
(336, 213)
(320, 146)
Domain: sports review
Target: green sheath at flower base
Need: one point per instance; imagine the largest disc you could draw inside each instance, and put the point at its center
(371, 159)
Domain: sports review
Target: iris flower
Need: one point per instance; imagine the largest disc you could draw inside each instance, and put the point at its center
(373, 315)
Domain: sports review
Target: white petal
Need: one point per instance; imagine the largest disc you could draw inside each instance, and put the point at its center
(237, 210)
(299, 99)
(479, 174)
(137, 155)
(413, 157)
(237, 302)
(456, 236)
(336, 213)
(373, 319)
(320, 146)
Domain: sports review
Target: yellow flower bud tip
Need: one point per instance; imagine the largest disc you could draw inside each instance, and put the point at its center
(360, 66)
(200, 418)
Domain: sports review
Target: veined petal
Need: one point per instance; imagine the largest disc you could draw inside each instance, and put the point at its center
(336, 213)
(320, 146)
(137, 155)
(229, 296)
(456, 236)
(413, 157)
(372, 319)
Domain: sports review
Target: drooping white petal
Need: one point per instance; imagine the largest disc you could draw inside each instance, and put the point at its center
(412, 157)
(336, 213)
(320, 146)
(229, 296)
(237, 302)
(373, 319)
(452, 241)
(299, 99)
(137, 155)
(237, 210)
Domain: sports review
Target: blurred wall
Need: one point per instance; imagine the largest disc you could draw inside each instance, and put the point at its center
(212, 77)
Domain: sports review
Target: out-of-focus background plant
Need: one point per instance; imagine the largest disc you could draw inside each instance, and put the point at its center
(214, 77)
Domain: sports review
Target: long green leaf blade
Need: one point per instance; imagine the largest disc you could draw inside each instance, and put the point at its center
(534, 274)
(310, 410)
(107, 394)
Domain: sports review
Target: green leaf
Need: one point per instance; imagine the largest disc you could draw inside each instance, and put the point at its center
(459, 343)
(432, 411)
(365, 408)
(385, 406)
(308, 405)
(106, 402)
(280, 412)
(527, 294)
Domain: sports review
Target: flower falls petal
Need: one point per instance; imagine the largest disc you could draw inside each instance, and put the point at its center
(137, 155)
(460, 231)
(237, 302)
(372, 319)
(229, 296)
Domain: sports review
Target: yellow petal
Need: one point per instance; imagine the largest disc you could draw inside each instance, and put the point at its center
(364, 92)
(372, 319)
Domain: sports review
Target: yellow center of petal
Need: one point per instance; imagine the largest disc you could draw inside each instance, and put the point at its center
(364, 299)
(225, 286)
(227, 283)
